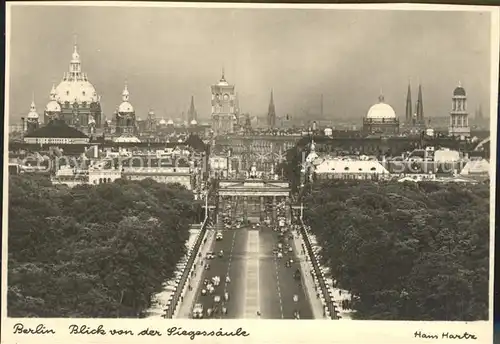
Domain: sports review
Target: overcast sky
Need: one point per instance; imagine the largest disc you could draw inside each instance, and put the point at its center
(169, 54)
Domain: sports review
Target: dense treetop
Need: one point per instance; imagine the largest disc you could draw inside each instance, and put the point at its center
(93, 251)
(406, 251)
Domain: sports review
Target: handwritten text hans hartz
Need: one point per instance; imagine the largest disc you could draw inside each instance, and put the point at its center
(100, 330)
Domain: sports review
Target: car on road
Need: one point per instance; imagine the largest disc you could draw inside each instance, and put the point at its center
(198, 311)
(210, 255)
(207, 266)
(203, 292)
(218, 236)
(221, 254)
(217, 298)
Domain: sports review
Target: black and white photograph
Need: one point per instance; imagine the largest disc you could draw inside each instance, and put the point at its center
(265, 163)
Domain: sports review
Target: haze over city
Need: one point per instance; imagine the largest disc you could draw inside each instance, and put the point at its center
(167, 55)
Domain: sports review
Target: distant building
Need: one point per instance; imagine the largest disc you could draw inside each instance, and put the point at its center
(381, 119)
(56, 132)
(125, 115)
(459, 117)
(75, 99)
(351, 169)
(223, 107)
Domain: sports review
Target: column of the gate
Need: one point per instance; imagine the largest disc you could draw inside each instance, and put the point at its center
(262, 208)
(245, 209)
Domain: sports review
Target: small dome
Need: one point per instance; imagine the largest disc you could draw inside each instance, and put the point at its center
(151, 113)
(125, 107)
(193, 122)
(381, 110)
(53, 106)
(459, 91)
(170, 122)
(162, 122)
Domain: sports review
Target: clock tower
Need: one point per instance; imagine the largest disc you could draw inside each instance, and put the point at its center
(223, 107)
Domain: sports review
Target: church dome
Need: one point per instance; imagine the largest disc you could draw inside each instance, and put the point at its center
(381, 110)
(79, 91)
(459, 91)
(53, 106)
(162, 122)
(170, 122)
(125, 107)
(75, 86)
(193, 122)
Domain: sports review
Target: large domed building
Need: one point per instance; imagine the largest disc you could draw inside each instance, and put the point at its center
(381, 119)
(75, 100)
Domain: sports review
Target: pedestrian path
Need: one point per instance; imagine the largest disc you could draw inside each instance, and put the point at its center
(307, 279)
(189, 296)
(252, 292)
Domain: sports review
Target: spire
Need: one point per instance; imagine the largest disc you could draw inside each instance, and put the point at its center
(381, 97)
(271, 114)
(192, 111)
(33, 106)
(53, 92)
(223, 78)
(420, 108)
(408, 104)
(126, 94)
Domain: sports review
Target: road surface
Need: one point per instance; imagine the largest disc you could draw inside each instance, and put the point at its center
(260, 282)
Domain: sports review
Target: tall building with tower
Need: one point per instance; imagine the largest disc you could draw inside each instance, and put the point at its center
(459, 117)
(381, 119)
(271, 113)
(125, 116)
(223, 107)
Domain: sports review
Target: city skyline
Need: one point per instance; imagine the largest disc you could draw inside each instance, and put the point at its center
(315, 53)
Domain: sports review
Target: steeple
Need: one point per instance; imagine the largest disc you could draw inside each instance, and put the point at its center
(420, 106)
(33, 106)
(409, 112)
(223, 78)
(271, 114)
(192, 111)
(381, 97)
(53, 92)
(125, 94)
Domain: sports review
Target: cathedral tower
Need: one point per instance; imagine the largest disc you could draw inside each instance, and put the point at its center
(192, 115)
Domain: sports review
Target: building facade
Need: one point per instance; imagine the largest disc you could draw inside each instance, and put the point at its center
(459, 117)
(223, 107)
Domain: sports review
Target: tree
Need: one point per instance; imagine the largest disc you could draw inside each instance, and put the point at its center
(93, 251)
(407, 251)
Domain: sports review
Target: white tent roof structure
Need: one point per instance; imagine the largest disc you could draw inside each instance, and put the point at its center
(476, 167)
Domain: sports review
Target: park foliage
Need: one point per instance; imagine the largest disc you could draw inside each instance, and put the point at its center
(93, 251)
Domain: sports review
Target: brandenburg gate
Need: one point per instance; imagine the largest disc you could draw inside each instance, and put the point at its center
(255, 199)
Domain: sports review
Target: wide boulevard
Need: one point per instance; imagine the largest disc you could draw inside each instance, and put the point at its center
(261, 285)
